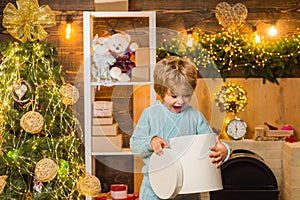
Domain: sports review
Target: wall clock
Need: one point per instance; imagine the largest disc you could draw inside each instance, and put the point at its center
(236, 128)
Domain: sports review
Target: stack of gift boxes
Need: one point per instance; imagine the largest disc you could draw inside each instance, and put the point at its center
(105, 137)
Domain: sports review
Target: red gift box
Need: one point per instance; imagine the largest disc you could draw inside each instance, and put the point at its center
(118, 191)
(107, 197)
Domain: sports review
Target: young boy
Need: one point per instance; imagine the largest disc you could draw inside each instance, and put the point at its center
(175, 80)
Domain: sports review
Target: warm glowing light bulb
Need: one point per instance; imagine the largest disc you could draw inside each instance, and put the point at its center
(69, 21)
(272, 31)
(68, 31)
(190, 40)
(257, 38)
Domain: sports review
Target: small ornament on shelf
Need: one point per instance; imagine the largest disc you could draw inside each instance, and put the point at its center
(291, 139)
(274, 133)
(271, 132)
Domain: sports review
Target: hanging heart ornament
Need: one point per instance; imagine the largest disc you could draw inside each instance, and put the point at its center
(231, 17)
(20, 88)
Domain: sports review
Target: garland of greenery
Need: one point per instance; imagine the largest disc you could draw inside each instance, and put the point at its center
(233, 54)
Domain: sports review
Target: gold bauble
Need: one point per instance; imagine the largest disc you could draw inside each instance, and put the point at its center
(32, 122)
(46, 170)
(70, 94)
(89, 185)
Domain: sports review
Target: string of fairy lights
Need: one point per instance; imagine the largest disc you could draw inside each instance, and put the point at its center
(226, 51)
(22, 147)
(39, 138)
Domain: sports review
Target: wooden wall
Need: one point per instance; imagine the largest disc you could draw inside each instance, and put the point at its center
(278, 105)
(172, 16)
(183, 14)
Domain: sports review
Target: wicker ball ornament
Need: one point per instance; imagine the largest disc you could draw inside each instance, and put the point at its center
(32, 122)
(89, 185)
(46, 170)
(70, 94)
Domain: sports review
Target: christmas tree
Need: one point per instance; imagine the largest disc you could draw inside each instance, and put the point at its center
(39, 133)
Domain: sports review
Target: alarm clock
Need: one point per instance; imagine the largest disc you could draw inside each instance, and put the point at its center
(236, 128)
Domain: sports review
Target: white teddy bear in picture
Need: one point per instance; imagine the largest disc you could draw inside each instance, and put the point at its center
(123, 50)
(102, 59)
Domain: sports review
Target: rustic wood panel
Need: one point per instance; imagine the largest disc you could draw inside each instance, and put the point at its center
(4, 2)
(205, 4)
(201, 14)
(138, 175)
(59, 5)
(141, 100)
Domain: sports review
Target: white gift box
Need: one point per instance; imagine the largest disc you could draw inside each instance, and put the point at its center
(105, 130)
(103, 108)
(102, 120)
(142, 61)
(107, 143)
(185, 167)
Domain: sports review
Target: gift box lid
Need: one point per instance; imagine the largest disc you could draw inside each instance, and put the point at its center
(118, 187)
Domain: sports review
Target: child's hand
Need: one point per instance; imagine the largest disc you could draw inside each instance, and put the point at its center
(218, 154)
(158, 144)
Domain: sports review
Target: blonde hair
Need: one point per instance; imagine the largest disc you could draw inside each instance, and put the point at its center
(174, 72)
